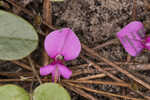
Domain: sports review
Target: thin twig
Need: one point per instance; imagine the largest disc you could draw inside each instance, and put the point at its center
(15, 80)
(98, 82)
(92, 77)
(47, 80)
(46, 58)
(139, 67)
(81, 92)
(25, 66)
(99, 68)
(76, 73)
(92, 52)
(20, 7)
(91, 71)
(31, 87)
(47, 11)
(131, 67)
(142, 76)
(106, 44)
(134, 10)
(29, 13)
(12, 74)
(101, 92)
(22, 80)
(47, 16)
(34, 70)
(124, 92)
(103, 63)
(50, 26)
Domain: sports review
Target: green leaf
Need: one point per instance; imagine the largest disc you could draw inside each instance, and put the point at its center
(13, 92)
(50, 91)
(18, 38)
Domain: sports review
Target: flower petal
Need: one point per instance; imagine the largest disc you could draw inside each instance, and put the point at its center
(55, 75)
(47, 70)
(63, 42)
(131, 37)
(147, 43)
(64, 71)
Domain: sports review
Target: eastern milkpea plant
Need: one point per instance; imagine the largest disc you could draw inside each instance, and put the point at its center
(61, 45)
(19, 39)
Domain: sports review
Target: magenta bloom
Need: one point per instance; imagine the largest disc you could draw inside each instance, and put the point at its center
(60, 45)
(147, 43)
(131, 37)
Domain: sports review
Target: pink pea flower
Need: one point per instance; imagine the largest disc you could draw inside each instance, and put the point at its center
(132, 37)
(60, 45)
(147, 43)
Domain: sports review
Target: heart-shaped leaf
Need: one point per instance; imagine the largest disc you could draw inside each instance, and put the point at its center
(18, 38)
(50, 91)
(13, 92)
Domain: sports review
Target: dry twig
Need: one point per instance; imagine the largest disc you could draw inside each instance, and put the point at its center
(99, 82)
(25, 66)
(92, 52)
(81, 92)
(29, 13)
(92, 77)
(101, 92)
(106, 44)
(34, 70)
(134, 10)
(47, 12)
(101, 70)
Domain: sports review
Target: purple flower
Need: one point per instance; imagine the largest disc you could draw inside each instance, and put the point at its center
(147, 43)
(131, 37)
(60, 45)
